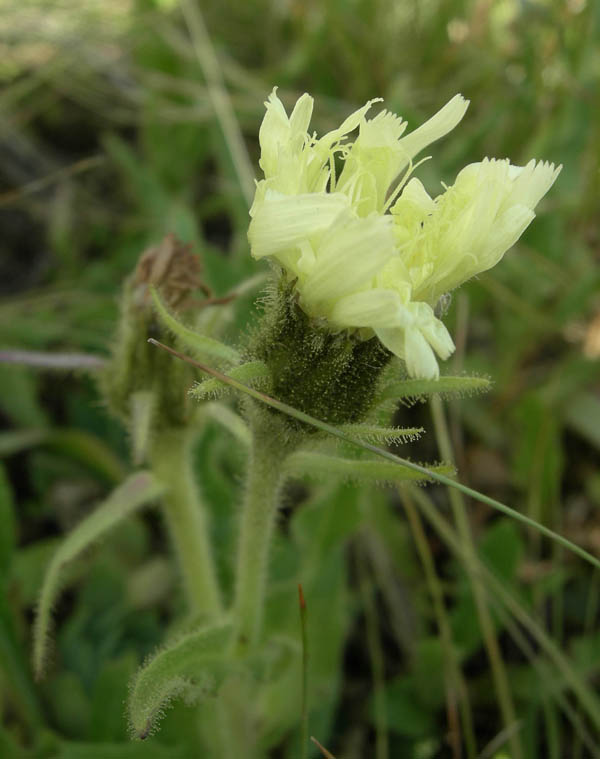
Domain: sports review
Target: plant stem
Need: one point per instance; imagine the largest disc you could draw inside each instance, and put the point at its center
(186, 520)
(258, 518)
(461, 518)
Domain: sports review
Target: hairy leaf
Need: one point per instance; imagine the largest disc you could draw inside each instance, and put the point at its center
(189, 667)
(230, 420)
(372, 433)
(412, 390)
(312, 464)
(136, 491)
(200, 345)
(254, 374)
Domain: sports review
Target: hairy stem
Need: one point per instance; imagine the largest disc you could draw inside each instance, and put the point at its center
(258, 519)
(186, 520)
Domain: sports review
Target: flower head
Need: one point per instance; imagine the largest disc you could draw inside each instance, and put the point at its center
(355, 265)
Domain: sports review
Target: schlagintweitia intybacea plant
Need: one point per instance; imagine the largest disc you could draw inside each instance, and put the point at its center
(362, 259)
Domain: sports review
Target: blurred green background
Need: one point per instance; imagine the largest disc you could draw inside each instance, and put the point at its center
(112, 134)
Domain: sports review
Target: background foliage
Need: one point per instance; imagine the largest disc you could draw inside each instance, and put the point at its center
(108, 141)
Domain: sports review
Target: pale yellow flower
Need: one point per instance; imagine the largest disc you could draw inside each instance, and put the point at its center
(356, 266)
(468, 228)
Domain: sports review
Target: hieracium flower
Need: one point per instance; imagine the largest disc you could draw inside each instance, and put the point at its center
(369, 249)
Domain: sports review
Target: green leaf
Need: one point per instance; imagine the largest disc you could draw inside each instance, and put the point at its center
(135, 492)
(254, 374)
(372, 433)
(190, 667)
(231, 421)
(412, 390)
(202, 346)
(313, 464)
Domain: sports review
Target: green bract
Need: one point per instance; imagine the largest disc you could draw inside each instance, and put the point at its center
(357, 266)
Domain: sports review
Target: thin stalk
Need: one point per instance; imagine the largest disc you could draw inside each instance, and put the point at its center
(456, 679)
(171, 458)
(461, 519)
(258, 519)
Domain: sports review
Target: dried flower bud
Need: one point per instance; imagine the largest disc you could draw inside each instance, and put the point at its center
(172, 269)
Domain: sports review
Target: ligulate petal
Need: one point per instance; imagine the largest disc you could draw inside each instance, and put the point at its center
(283, 221)
(504, 234)
(350, 254)
(438, 337)
(274, 132)
(348, 125)
(370, 308)
(410, 345)
(393, 339)
(418, 355)
(436, 127)
(532, 182)
(301, 115)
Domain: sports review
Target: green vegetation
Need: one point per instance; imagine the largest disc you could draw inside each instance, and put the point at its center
(434, 626)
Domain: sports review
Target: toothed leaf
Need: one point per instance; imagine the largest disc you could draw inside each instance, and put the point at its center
(189, 667)
(254, 374)
(136, 491)
(200, 345)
